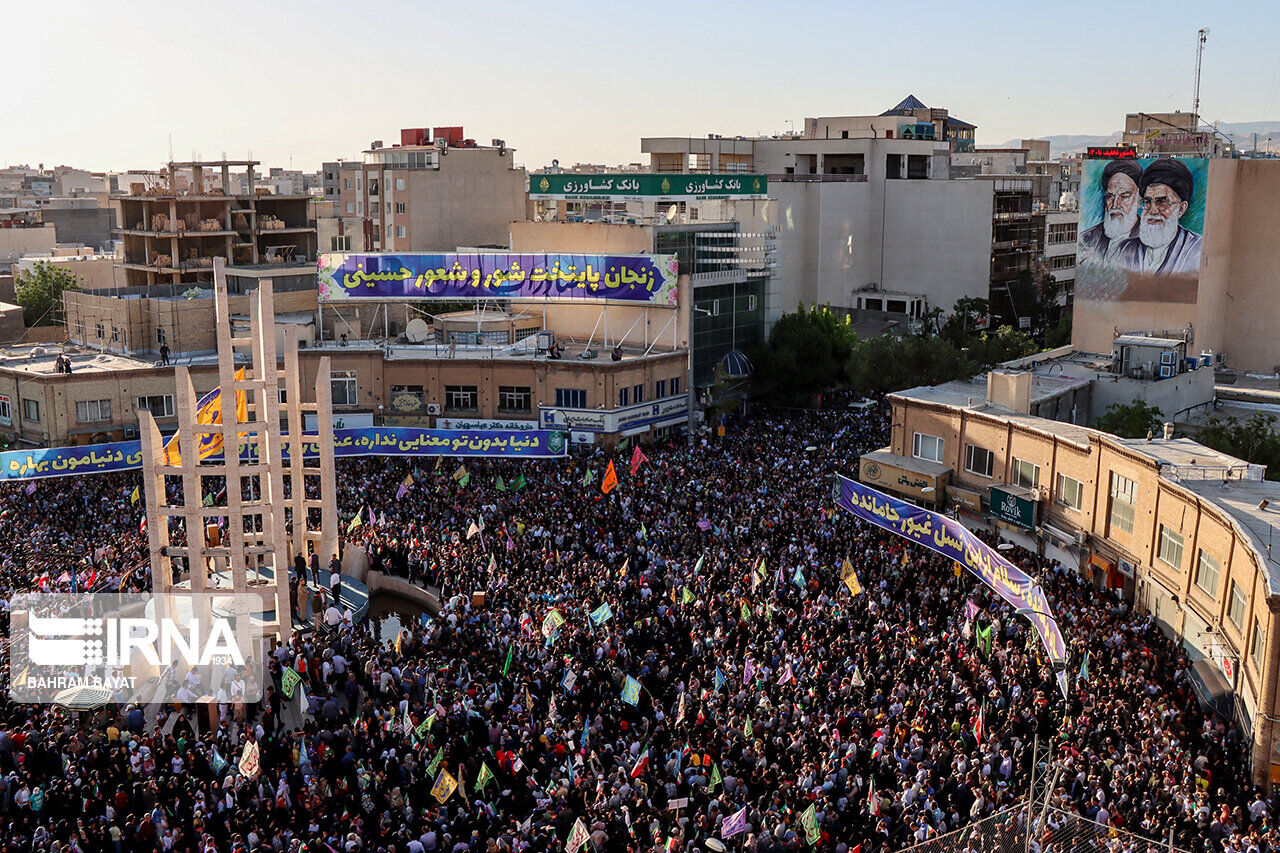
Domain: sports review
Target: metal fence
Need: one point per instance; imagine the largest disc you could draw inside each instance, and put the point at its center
(1030, 828)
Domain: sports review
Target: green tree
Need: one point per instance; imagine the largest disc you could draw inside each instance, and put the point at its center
(887, 363)
(1130, 420)
(807, 354)
(1254, 441)
(39, 292)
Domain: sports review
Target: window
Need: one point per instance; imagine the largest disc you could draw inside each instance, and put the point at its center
(1235, 612)
(978, 460)
(1025, 474)
(6, 410)
(624, 396)
(927, 447)
(515, 398)
(1207, 574)
(399, 187)
(1259, 641)
(1062, 262)
(660, 389)
(675, 386)
(1062, 232)
(160, 336)
(30, 410)
(99, 331)
(359, 208)
(282, 395)
(1070, 492)
(637, 394)
(88, 411)
(1170, 550)
(400, 207)
(343, 385)
(346, 185)
(460, 397)
(400, 232)
(373, 184)
(340, 244)
(160, 405)
(1123, 499)
(351, 207)
(571, 398)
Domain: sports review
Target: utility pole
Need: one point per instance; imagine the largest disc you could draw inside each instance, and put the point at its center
(1201, 37)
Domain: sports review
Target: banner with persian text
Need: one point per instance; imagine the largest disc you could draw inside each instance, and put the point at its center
(635, 279)
(952, 539)
(366, 441)
(634, 186)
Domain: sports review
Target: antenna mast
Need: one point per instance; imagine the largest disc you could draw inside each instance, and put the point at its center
(1201, 37)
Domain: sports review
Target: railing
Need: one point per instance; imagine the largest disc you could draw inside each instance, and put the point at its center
(1027, 826)
(809, 179)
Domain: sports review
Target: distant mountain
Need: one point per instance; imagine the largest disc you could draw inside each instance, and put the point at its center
(1241, 133)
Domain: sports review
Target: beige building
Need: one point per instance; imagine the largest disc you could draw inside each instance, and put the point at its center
(1181, 530)
(432, 192)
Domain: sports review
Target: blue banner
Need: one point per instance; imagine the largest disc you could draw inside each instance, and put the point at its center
(366, 441)
(952, 539)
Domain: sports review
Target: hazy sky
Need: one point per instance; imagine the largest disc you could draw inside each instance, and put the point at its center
(103, 84)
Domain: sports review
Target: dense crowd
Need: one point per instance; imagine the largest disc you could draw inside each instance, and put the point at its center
(674, 662)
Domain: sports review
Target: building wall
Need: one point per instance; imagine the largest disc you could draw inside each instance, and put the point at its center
(1159, 501)
(16, 242)
(95, 272)
(937, 239)
(1236, 311)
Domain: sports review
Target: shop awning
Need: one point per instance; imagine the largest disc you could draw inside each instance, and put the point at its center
(1211, 688)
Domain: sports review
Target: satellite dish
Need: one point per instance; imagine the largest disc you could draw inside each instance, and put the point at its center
(417, 331)
(672, 212)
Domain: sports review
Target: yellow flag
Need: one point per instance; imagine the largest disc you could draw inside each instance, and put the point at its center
(133, 498)
(958, 569)
(209, 411)
(444, 787)
(851, 581)
(846, 569)
(905, 556)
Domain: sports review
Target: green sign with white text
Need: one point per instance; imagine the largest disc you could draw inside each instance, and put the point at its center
(1012, 508)
(644, 186)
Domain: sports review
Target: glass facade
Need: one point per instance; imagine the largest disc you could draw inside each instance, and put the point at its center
(733, 319)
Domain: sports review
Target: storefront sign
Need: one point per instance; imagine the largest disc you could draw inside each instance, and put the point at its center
(629, 186)
(965, 499)
(898, 480)
(1015, 509)
(628, 420)
(484, 423)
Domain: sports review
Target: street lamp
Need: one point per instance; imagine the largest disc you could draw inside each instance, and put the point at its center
(694, 310)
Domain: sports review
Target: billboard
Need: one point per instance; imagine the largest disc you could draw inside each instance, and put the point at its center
(634, 279)
(1138, 246)
(631, 186)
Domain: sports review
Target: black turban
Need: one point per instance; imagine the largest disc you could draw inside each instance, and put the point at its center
(1174, 174)
(1128, 167)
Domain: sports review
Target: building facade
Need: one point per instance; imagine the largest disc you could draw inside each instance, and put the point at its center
(1177, 529)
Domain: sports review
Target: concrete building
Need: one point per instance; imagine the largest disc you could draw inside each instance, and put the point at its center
(434, 191)
(1180, 531)
(1178, 133)
(94, 270)
(867, 212)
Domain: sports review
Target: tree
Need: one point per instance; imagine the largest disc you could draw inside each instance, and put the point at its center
(39, 292)
(807, 353)
(1254, 441)
(887, 363)
(1130, 420)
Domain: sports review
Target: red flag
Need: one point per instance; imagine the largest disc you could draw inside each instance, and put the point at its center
(637, 456)
(610, 479)
(978, 728)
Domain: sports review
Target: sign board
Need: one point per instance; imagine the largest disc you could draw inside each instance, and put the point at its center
(1015, 509)
(668, 411)
(637, 186)
(678, 803)
(386, 277)
(1111, 152)
(1125, 567)
(347, 420)
(484, 423)
(965, 499)
(899, 480)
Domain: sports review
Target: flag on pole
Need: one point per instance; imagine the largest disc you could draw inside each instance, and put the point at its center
(687, 597)
(851, 581)
(746, 612)
(748, 670)
(511, 650)
(637, 457)
(500, 485)
(209, 411)
(217, 762)
(404, 487)
(519, 483)
(444, 787)
(809, 820)
(208, 500)
(716, 778)
(602, 614)
(1084, 668)
(798, 578)
(747, 730)
(460, 473)
(735, 824)
(610, 479)
(857, 679)
(588, 478)
(356, 521)
(289, 681)
(133, 498)
(984, 640)
(435, 762)
(873, 802)
(484, 777)
(787, 675)
(578, 836)
(493, 563)
(472, 530)
(466, 479)
(719, 679)
(644, 534)
(631, 691)
(697, 567)
(642, 761)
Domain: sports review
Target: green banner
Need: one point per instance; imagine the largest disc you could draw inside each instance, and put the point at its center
(1012, 508)
(644, 186)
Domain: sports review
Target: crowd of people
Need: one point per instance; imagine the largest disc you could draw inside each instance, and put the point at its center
(673, 665)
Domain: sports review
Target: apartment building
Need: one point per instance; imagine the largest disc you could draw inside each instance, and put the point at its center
(1180, 531)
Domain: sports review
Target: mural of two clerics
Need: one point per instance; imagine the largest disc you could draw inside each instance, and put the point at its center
(1141, 227)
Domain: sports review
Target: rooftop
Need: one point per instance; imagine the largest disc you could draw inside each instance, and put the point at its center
(1184, 459)
(39, 360)
(521, 351)
(1240, 501)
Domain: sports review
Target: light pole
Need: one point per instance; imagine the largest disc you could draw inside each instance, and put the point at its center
(694, 311)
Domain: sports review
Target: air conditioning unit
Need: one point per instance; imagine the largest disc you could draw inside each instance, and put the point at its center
(433, 408)
(1081, 536)
(130, 432)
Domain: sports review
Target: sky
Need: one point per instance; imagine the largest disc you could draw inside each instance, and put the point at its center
(104, 84)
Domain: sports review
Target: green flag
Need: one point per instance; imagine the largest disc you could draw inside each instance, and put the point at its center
(984, 640)
(435, 762)
(716, 778)
(500, 486)
(466, 478)
(644, 534)
(747, 730)
(746, 612)
(588, 478)
(208, 500)
(511, 650)
(688, 597)
(357, 521)
(484, 777)
(518, 484)
(809, 820)
(697, 567)
(289, 681)
(425, 725)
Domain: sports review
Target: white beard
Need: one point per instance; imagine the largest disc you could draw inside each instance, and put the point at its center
(1117, 228)
(1157, 235)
